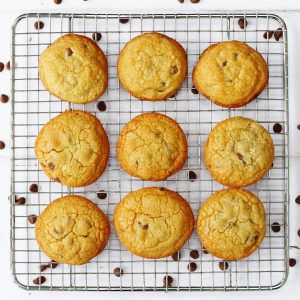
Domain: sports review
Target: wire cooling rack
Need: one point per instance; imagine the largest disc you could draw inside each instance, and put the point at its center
(33, 106)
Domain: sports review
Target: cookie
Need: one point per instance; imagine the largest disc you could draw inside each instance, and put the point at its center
(152, 146)
(230, 74)
(73, 148)
(153, 222)
(152, 66)
(74, 69)
(231, 224)
(72, 230)
(238, 152)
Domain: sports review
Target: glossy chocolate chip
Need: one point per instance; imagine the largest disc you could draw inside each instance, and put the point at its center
(96, 36)
(277, 128)
(205, 251)
(53, 264)
(194, 90)
(20, 201)
(297, 200)
(298, 126)
(118, 272)
(101, 106)
(4, 98)
(278, 34)
(101, 194)
(43, 267)
(292, 262)
(194, 1)
(298, 232)
(168, 280)
(242, 23)
(181, 1)
(268, 34)
(192, 267)
(8, 65)
(68, 52)
(57, 1)
(32, 219)
(223, 265)
(1, 66)
(192, 175)
(194, 254)
(275, 227)
(39, 25)
(124, 20)
(34, 188)
(176, 256)
(39, 280)
(2, 145)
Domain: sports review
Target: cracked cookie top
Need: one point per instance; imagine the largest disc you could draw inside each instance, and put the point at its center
(152, 66)
(74, 69)
(231, 224)
(231, 73)
(73, 148)
(72, 230)
(152, 146)
(238, 152)
(153, 222)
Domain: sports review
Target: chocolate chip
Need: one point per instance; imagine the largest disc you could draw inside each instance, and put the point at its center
(168, 280)
(101, 106)
(118, 272)
(97, 36)
(4, 98)
(297, 200)
(223, 265)
(173, 96)
(123, 20)
(277, 128)
(101, 195)
(53, 264)
(205, 251)
(38, 25)
(51, 166)
(192, 267)
(224, 63)
(192, 175)
(34, 188)
(39, 280)
(242, 23)
(275, 227)
(240, 156)
(32, 219)
(194, 90)
(268, 34)
(20, 201)
(298, 126)
(161, 189)
(298, 232)
(292, 262)
(278, 34)
(174, 70)
(8, 65)
(176, 256)
(1, 66)
(68, 52)
(57, 1)
(195, 1)
(43, 267)
(2, 145)
(181, 1)
(162, 88)
(194, 254)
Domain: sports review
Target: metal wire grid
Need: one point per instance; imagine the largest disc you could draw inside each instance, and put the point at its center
(33, 106)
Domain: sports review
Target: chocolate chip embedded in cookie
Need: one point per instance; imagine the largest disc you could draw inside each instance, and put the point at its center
(73, 148)
(72, 230)
(152, 66)
(152, 146)
(238, 152)
(153, 222)
(231, 224)
(230, 74)
(74, 69)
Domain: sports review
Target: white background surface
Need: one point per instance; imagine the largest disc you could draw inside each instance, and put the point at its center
(9, 9)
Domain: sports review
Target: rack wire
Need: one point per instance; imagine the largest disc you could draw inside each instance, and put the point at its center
(33, 106)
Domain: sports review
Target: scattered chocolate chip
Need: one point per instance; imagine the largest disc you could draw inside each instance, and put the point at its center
(223, 265)
(57, 1)
(57, 179)
(192, 267)
(268, 34)
(278, 34)
(292, 262)
(224, 64)
(299, 232)
(168, 280)
(118, 272)
(101, 106)
(192, 175)
(194, 90)
(194, 254)
(162, 88)
(68, 52)
(242, 23)
(123, 20)
(174, 70)
(205, 251)
(39, 280)
(173, 96)
(53, 264)
(1, 66)
(2, 145)
(275, 227)
(101, 195)
(4, 98)
(277, 128)
(20, 201)
(32, 219)
(176, 256)
(43, 267)
(34, 188)
(38, 25)
(297, 200)
(181, 1)
(51, 166)
(298, 126)
(240, 156)
(8, 65)
(97, 36)
(195, 1)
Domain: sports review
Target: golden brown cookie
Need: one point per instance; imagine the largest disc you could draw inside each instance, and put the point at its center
(72, 230)
(152, 66)
(238, 152)
(230, 74)
(73, 148)
(153, 222)
(231, 224)
(152, 146)
(74, 69)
